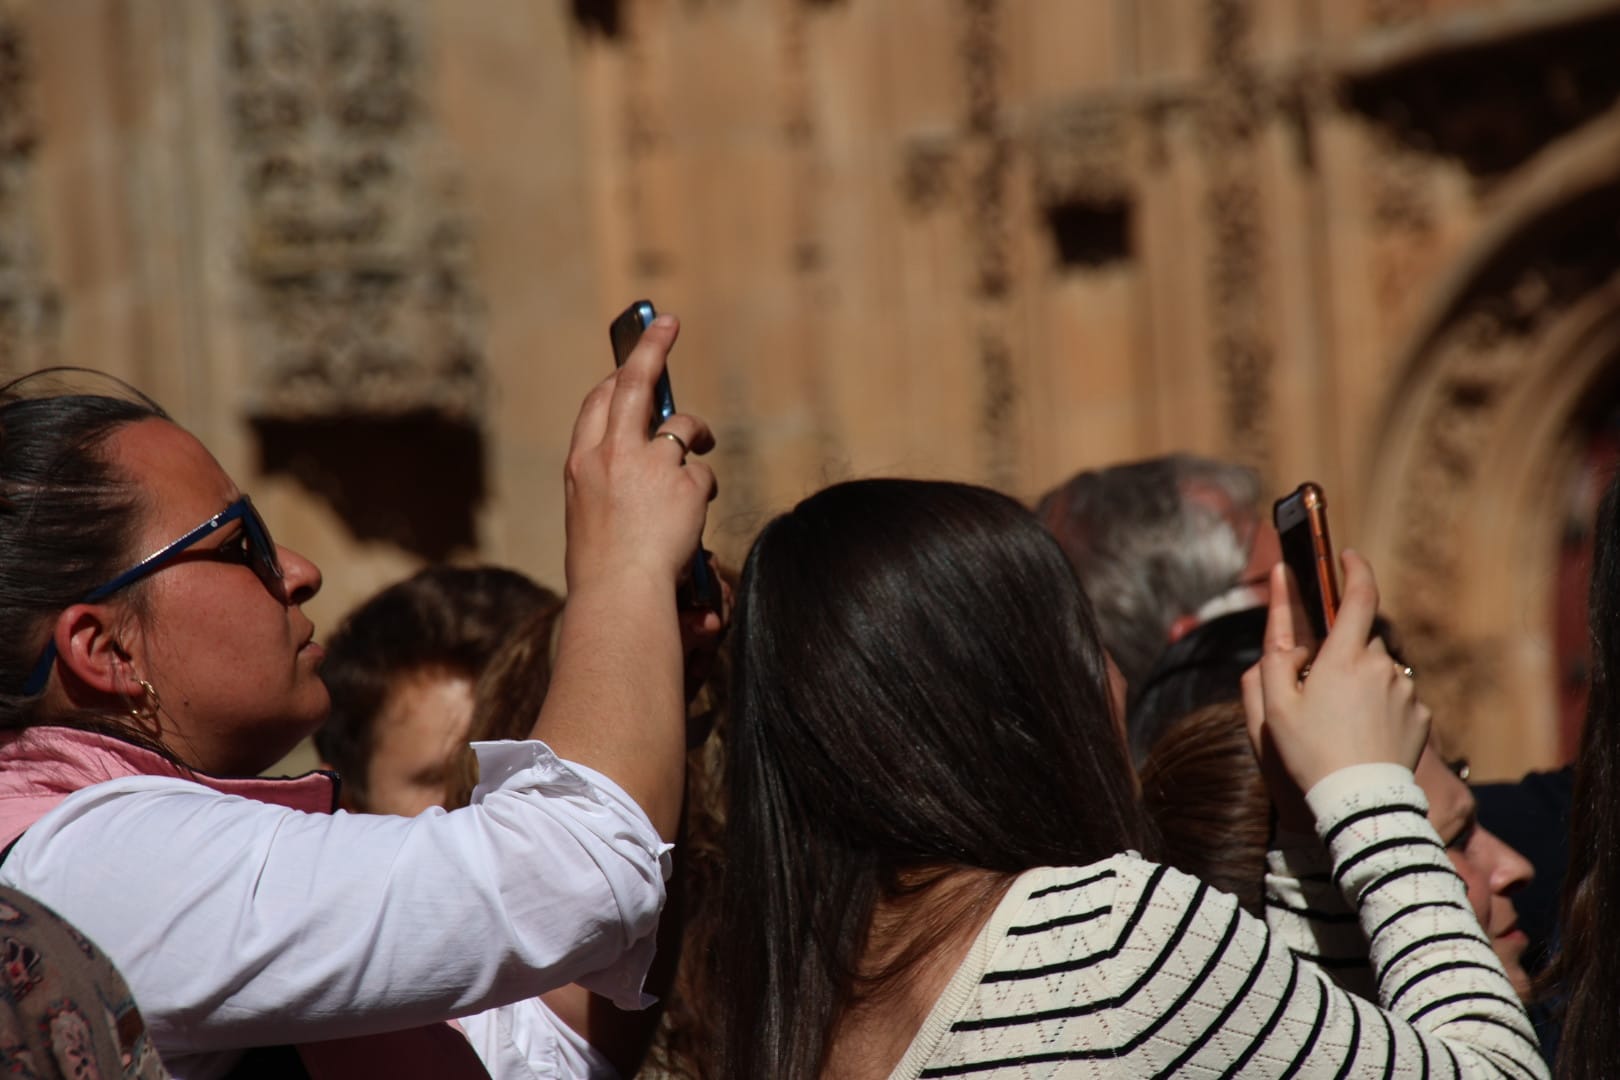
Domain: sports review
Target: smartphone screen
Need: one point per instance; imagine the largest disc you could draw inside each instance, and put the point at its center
(700, 589)
(1307, 548)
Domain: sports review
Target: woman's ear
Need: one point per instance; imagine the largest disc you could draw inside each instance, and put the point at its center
(89, 644)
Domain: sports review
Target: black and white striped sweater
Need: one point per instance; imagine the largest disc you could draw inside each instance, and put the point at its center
(1125, 968)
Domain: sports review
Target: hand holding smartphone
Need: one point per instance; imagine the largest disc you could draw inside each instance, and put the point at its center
(700, 589)
(1307, 548)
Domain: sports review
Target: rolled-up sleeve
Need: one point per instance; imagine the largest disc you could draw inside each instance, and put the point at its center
(511, 769)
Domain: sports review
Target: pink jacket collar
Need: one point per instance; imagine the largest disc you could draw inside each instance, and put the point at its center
(41, 766)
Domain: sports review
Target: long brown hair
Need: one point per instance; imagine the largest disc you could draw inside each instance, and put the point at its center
(918, 684)
(1202, 786)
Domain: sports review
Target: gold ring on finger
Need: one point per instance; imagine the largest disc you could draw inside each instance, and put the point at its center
(677, 440)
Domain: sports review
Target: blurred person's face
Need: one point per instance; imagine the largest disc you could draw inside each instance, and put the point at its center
(1490, 869)
(416, 739)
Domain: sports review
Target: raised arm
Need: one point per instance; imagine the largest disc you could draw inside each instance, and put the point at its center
(1346, 731)
(635, 510)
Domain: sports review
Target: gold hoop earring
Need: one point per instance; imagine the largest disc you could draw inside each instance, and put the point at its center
(147, 709)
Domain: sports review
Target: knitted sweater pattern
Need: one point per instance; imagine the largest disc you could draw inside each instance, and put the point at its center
(1125, 968)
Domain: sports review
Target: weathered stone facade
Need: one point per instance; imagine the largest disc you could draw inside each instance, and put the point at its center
(368, 249)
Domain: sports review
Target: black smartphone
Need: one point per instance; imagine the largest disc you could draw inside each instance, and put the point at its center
(700, 589)
(624, 332)
(1307, 548)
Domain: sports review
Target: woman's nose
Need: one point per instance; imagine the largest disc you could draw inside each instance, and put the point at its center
(1510, 871)
(300, 576)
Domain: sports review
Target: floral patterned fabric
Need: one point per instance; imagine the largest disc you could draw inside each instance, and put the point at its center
(64, 1009)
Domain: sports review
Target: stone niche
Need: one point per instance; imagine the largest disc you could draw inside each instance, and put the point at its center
(368, 372)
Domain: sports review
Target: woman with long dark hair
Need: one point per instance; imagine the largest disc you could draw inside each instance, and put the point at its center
(932, 832)
(154, 658)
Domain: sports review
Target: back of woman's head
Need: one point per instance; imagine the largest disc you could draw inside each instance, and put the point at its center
(1203, 789)
(68, 519)
(918, 684)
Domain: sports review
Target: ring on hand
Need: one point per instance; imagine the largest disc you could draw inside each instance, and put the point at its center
(1406, 669)
(676, 439)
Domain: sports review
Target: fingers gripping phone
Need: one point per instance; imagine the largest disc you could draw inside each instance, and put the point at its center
(1307, 548)
(700, 589)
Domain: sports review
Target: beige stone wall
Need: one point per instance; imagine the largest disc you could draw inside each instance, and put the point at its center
(998, 240)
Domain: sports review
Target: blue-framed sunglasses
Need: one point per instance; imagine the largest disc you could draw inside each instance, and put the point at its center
(253, 549)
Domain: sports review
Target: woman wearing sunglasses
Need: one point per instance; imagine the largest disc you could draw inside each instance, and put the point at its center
(154, 658)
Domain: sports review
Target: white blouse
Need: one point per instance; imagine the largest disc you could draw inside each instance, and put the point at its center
(240, 924)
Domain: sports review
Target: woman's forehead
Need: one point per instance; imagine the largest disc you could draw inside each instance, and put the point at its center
(179, 480)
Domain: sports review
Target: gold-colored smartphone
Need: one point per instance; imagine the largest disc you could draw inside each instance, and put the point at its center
(1307, 548)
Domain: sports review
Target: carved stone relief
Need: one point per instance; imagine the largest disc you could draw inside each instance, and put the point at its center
(1481, 362)
(1400, 184)
(603, 17)
(1232, 113)
(740, 452)
(998, 408)
(356, 258)
(988, 159)
(1401, 198)
(808, 257)
(1080, 154)
(927, 177)
(1394, 12)
(1491, 100)
(798, 126)
(1082, 181)
(990, 147)
(645, 134)
(30, 305)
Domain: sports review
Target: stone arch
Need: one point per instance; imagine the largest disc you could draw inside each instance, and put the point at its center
(1518, 350)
